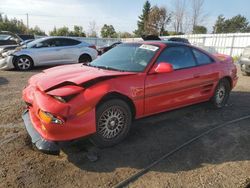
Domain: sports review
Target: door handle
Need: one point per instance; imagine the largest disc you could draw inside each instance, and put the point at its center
(196, 75)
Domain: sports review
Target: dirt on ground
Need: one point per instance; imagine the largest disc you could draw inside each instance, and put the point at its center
(219, 159)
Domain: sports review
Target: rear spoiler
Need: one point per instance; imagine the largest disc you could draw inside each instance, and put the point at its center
(223, 58)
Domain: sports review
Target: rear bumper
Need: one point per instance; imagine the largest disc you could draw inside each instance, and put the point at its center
(42, 144)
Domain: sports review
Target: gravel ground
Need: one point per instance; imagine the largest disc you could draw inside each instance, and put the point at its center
(220, 159)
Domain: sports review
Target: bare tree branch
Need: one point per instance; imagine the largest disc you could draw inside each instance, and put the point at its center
(179, 10)
(198, 15)
(92, 31)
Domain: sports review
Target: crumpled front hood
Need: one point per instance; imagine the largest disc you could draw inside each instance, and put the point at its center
(76, 74)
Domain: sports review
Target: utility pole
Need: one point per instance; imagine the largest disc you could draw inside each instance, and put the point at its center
(27, 16)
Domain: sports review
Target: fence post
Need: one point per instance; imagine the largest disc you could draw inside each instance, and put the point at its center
(204, 40)
(232, 46)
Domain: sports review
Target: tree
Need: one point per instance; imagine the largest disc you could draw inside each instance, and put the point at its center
(36, 31)
(198, 29)
(236, 24)
(64, 31)
(125, 35)
(143, 18)
(108, 31)
(78, 31)
(12, 25)
(178, 15)
(92, 29)
(158, 19)
(219, 26)
(197, 13)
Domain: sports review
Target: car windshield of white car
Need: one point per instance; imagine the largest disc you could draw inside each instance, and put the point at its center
(131, 57)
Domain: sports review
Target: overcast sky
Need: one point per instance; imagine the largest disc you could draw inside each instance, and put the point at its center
(122, 14)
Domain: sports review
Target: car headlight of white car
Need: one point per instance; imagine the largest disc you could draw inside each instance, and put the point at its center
(10, 52)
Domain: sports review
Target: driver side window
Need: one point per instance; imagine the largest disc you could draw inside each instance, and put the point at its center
(179, 56)
(42, 44)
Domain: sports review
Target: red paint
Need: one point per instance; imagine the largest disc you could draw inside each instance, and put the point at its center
(164, 68)
(150, 92)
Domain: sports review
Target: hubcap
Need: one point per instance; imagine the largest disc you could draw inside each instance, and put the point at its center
(23, 63)
(111, 122)
(220, 94)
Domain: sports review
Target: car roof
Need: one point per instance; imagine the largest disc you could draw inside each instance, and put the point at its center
(63, 37)
(165, 43)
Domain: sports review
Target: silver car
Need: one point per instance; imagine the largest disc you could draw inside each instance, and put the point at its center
(244, 61)
(48, 51)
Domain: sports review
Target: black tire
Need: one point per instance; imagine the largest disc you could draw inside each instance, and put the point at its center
(85, 59)
(245, 73)
(112, 130)
(23, 63)
(221, 94)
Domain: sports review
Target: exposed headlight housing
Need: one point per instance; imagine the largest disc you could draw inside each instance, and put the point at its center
(59, 99)
(5, 54)
(63, 99)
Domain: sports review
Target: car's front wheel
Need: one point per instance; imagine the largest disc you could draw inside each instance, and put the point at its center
(23, 63)
(221, 94)
(113, 120)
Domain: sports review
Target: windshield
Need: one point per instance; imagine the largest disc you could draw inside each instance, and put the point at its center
(34, 42)
(4, 37)
(127, 57)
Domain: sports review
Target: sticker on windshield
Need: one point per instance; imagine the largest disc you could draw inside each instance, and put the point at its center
(149, 47)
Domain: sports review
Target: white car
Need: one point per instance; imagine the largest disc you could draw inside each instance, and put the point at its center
(48, 51)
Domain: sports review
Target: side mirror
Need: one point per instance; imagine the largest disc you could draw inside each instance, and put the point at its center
(164, 67)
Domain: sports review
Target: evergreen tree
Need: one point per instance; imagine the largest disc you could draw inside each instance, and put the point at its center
(143, 19)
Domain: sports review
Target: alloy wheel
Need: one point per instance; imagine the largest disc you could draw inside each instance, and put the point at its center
(23, 63)
(111, 122)
(220, 94)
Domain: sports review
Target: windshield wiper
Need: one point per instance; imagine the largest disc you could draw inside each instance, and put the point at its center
(104, 67)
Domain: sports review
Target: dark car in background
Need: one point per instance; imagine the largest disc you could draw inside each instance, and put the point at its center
(179, 39)
(9, 38)
(104, 49)
(172, 39)
(10, 41)
(245, 62)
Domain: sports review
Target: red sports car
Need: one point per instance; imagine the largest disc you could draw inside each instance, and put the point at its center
(131, 81)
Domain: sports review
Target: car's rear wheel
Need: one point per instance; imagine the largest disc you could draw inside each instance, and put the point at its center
(23, 63)
(85, 59)
(221, 94)
(113, 120)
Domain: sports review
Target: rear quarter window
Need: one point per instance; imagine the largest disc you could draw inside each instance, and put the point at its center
(202, 58)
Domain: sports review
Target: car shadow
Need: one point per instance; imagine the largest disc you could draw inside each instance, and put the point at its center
(152, 137)
(34, 69)
(3, 81)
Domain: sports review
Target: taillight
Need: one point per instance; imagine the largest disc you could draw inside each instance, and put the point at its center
(93, 46)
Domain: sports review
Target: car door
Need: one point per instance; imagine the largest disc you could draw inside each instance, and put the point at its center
(47, 52)
(71, 50)
(166, 91)
(207, 76)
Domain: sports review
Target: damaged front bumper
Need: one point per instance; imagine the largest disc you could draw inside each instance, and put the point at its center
(43, 145)
(6, 63)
